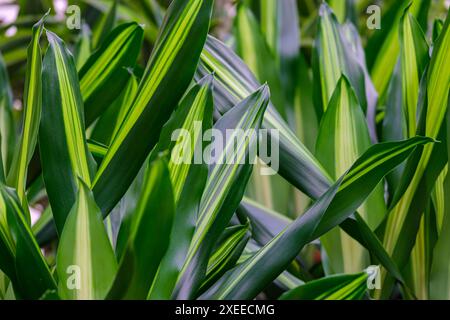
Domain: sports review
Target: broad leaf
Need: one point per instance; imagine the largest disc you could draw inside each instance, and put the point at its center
(86, 263)
(332, 58)
(62, 142)
(31, 283)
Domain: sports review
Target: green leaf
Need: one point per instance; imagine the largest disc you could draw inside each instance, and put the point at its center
(256, 53)
(339, 202)
(225, 186)
(17, 177)
(227, 253)
(342, 9)
(7, 127)
(337, 287)
(414, 58)
(394, 124)
(62, 142)
(105, 73)
(383, 47)
(267, 224)
(83, 47)
(234, 82)
(439, 278)
(108, 124)
(411, 191)
(149, 235)
(168, 74)
(7, 244)
(343, 137)
(270, 24)
(33, 282)
(333, 57)
(86, 263)
(105, 25)
(188, 179)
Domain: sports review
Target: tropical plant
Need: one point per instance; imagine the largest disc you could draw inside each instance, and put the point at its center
(96, 204)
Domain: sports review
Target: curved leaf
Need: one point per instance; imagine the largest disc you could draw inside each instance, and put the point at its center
(234, 82)
(169, 71)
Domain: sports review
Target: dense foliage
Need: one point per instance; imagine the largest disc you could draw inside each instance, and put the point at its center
(354, 96)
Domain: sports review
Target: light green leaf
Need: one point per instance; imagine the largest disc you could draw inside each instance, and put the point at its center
(383, 47)
(434, 110)
(86, 263)
(252, 47)
(333, 57)
(414, 58)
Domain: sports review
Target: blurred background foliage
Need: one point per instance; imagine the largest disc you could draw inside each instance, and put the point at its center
(99, 17)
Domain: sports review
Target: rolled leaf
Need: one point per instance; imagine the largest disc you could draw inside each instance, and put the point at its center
(17, 177)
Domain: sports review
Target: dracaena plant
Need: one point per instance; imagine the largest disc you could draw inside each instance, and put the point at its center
(96, 204)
